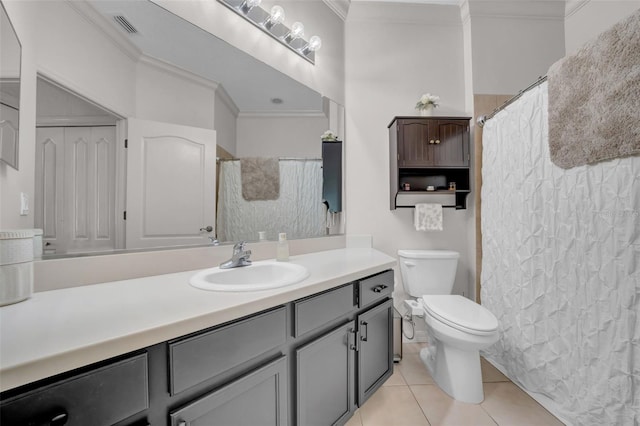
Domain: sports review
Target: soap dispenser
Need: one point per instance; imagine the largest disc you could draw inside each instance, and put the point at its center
(282, 251)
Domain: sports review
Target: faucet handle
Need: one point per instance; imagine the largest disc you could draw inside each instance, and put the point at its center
(239, 246)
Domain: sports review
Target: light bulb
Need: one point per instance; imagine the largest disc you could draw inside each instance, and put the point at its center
(247, 5)
(297, 30)
(314, 44)
(276, 17)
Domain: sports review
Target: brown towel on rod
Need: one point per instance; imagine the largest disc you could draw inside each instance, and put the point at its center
(260, 178)
(594, 99)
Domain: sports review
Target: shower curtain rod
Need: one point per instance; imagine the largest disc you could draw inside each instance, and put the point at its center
(483, 118)
(279, 158)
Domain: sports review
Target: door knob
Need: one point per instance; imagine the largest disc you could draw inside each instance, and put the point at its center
(208, 228)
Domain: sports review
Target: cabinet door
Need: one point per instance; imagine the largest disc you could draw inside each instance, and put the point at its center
(258, 398)
(375, 357)
(413, 140)
(451, 147)
(326, 377)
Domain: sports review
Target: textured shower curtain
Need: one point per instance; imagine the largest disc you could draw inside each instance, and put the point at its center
(298, 211)
(561, 269)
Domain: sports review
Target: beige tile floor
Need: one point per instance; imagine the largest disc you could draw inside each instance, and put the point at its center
(411, 398)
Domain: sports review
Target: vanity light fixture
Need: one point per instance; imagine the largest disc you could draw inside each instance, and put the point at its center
(272, 23)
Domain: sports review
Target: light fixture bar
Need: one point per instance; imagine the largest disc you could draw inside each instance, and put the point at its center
(272, 24)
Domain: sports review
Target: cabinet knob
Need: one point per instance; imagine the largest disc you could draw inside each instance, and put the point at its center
(437, 141)
(431, 141)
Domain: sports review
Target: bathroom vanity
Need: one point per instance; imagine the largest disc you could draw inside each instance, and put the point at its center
(302, 355)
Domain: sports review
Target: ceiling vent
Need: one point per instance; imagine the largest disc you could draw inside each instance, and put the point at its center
(125, 24)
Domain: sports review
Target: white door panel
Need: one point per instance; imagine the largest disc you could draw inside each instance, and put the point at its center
(75, 188)
(170, 184)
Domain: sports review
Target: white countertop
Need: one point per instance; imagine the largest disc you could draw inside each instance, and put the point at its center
(56, 331)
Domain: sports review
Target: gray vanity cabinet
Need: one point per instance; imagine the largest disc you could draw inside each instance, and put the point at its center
(258, 398)
(308, 362)
(375, 351)
(325, 372)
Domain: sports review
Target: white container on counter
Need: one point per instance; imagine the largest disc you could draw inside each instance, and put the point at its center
(16, 265)
(37, 243)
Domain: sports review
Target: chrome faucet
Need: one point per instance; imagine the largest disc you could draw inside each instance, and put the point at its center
(239, 258)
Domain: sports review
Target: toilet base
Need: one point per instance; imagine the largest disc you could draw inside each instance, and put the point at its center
(455, 371)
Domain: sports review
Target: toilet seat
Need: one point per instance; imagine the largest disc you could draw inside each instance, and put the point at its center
(460, 313)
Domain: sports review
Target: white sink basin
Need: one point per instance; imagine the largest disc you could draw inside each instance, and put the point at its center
(262, 275)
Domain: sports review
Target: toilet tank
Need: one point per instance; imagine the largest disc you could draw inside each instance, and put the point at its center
(428, 271)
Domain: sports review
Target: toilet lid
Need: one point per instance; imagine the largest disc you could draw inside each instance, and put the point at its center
(429, 254)
(460, 312)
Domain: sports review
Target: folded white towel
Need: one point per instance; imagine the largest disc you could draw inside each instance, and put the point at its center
(428, 217)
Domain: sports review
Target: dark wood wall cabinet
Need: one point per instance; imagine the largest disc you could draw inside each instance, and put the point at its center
(429, 156)
(312, 361)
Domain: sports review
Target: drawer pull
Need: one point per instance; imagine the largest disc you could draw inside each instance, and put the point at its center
(59, 419)
(379, 288)
(365, 331)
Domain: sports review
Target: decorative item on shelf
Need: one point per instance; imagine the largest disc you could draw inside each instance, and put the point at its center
(427, 103)
(452, 186)
(406, 187)
(329, 136)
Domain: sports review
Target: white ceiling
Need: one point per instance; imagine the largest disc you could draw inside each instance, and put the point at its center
(250, 83)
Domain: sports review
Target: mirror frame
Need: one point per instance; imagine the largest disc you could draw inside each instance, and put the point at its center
(13, 160)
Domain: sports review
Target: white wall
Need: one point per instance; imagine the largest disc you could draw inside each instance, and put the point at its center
(280, 136)
(395, 53)
(225, 121)
(170, 95)
(513, 47)
(587, 18)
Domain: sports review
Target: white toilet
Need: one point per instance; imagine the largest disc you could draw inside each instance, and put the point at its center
(458, 328)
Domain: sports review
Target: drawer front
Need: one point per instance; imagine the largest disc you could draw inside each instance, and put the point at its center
(375, 288)
(258, 398)
(199, 358)
(99, 397)
(315, 311)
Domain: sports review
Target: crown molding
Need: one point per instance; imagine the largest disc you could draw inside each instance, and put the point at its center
(573, 6)
(339, 7)
(177, 71)
(224, 97)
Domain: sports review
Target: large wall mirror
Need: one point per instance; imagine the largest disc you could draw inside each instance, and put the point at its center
(10, 55)
(180, 185)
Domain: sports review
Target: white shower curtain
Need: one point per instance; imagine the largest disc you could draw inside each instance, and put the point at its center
(298, 211)
(561, 269)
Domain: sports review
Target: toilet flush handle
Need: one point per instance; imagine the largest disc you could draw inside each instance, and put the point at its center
(410, 264)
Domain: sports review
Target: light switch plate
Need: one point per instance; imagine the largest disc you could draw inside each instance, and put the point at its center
(24, 204)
